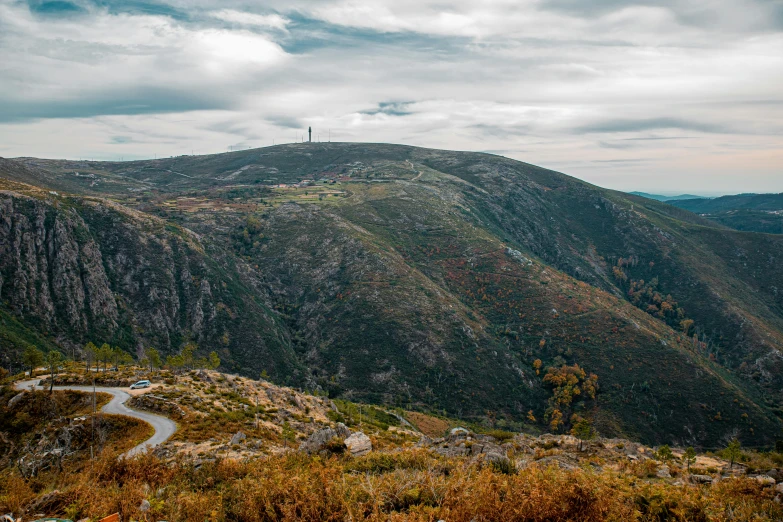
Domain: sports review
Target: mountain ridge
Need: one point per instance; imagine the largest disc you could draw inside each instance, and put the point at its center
(436, 279)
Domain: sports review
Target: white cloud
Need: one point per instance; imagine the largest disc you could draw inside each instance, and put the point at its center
(625, 96)
(272, 21)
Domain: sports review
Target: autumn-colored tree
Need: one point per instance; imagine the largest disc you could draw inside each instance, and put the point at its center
(537, 366)
(686, 325)
(568, 384)
(555, 420)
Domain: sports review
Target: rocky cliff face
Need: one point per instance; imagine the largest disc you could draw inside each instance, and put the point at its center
(84, 270)
(47, 273)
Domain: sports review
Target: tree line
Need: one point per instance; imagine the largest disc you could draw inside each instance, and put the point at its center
(105, 356)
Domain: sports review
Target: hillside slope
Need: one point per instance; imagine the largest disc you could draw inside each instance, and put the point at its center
(75, 270)
(435, 280)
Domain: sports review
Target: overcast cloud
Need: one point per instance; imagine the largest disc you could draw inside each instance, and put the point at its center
(664, 96)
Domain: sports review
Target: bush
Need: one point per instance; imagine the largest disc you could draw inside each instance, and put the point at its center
(501, 435)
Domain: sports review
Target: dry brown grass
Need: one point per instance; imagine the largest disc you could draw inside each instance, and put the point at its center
(427, 424)
(412, 485)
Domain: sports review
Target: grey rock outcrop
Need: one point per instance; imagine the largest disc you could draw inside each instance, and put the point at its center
(358, 444)
(764, 480)
(15, 399)
(701, 479)
(318, 440)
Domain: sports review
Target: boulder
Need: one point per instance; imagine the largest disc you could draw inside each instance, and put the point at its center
(765, 481)
(238, 438)
(563, 462)
(358, 444)
(423, 442)
(499, 462)
(317, 440)
(457, 433)
(15, 399)
(663, 472)
(779, 488)
(701, 479)
(145, 506)
(775, 474)
(342, 430)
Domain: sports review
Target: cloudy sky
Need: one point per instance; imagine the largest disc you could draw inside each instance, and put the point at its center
(666, 95)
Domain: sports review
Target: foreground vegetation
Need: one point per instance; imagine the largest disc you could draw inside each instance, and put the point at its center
(206, 473)
(410, 485)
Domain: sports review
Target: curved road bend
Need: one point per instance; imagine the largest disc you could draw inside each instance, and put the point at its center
(164, 428)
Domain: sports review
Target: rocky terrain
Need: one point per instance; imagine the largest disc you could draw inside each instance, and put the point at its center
(427, 280)
(318, 458)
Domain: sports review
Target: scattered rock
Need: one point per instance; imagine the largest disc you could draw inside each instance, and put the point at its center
(45, 502)
(317, 440)
(560, 461)
(663, 472)
(342, 430)
(358, 444)
(15, 399)
(764, 480)
(145, 506)
(238, 438)
(459, 432)
(498, 461)
(423, 442)
(701, 479)
(779, 488)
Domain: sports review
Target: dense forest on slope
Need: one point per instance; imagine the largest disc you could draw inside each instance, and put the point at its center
(429, 279)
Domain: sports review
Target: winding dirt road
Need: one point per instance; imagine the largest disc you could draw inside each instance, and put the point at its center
(164, 428)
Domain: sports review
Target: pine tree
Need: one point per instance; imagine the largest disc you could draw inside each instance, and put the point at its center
(32, 357)
(689, 457)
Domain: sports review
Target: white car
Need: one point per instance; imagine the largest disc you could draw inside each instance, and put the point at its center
(140, 384)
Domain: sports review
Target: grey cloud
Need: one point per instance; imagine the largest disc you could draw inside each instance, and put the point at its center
(637, 125)
(56, 8)
(501, 130)
(143, 100)
(286, 122)
(390, 109)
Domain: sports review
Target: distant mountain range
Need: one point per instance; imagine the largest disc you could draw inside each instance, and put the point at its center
(658, 197)
(747, 212)
(441, 281)
(761, 202)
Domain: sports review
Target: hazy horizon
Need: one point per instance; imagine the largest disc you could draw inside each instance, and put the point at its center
(658, 96)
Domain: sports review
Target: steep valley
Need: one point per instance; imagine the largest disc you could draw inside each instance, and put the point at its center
(431, 280)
